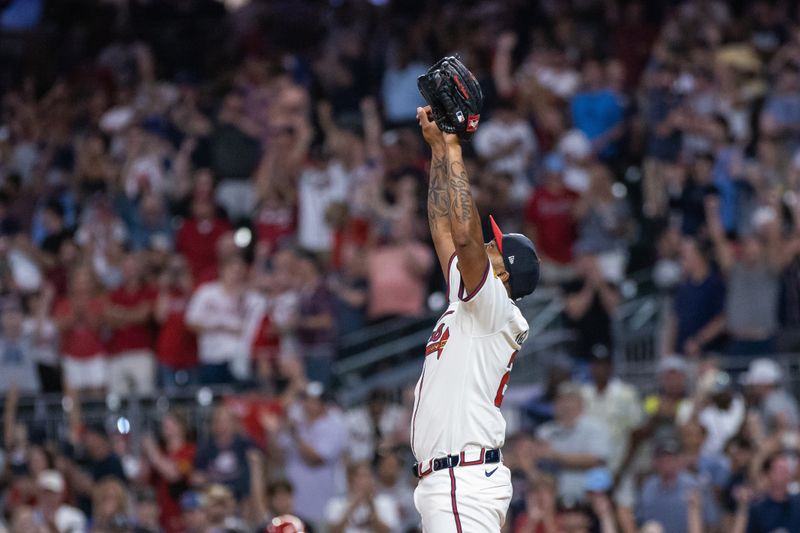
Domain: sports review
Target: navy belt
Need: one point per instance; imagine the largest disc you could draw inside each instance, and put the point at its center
(451, 461)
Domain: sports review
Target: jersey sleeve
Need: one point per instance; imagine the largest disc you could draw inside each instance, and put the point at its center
(453, 279)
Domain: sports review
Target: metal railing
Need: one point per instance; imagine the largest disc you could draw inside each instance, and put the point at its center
(396, 363)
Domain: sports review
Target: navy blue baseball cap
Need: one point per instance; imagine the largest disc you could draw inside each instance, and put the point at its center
(520, 260)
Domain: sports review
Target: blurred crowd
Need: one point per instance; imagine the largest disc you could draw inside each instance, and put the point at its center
(219, 193)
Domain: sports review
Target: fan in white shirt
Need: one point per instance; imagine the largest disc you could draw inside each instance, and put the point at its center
(361, 510)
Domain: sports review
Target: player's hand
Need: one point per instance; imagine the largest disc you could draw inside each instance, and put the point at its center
(430, 131)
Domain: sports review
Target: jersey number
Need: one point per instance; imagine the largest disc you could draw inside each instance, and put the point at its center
(501, 390)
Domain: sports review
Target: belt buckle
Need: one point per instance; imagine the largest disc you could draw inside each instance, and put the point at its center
(479, 461)
(420, 473)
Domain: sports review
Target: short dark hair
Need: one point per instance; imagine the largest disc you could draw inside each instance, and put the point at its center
(279, 485)
(774, 456)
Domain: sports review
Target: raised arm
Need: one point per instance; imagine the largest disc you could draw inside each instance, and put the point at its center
(465, 223)
(722, 248)
(438, 194)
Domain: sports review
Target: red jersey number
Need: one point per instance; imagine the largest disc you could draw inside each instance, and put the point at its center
(501, 390)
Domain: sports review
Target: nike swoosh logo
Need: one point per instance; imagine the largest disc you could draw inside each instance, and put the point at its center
(489, 473)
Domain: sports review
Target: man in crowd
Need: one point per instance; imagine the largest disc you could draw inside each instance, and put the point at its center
(224, 314)
(313, 443)
(572, 443)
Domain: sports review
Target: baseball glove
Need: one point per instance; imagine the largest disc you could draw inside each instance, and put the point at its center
(454, 95)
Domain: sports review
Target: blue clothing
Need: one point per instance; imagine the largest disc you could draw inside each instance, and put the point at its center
(767, 515)
(666, 504)
(727, 188)
(659, 103)
(715, 468)
(227, 466)
(400, 94)
(696, 304)
(21, 15)
(596, 112)
(784, 108)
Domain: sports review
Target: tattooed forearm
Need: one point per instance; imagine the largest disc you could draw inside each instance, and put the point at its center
(461, 204)
(438, 193)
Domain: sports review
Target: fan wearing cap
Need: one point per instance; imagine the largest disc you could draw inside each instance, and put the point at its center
(777, 408)
(457, 427)
(50, 485)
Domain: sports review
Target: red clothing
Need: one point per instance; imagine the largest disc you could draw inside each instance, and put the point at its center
(197, 242)
(249, 410)
(551, 213)
(83, 338)
(275, 224)
(176, 346)
(522, 524)
(267, 342)
(354, 234)
(134, 336)
(171, 518)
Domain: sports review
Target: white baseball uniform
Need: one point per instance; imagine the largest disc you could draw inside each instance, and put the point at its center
(468, 359)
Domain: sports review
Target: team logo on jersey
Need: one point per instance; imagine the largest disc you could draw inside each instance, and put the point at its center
(437, 341)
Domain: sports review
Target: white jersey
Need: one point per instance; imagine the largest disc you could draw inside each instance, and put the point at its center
(468, 359)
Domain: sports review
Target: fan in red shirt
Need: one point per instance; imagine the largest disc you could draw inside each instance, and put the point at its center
(80, 321)
(549, 216)
(176, 346)
(251, 408)
(130, 348)
(172, 467)
(275, 217)
(197, 237)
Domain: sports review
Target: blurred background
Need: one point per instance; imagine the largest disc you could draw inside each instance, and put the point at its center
(216, 278)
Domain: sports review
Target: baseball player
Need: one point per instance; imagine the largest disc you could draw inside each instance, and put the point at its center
(457, 429)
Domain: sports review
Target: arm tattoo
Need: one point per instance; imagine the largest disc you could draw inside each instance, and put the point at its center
(438, 193)
(460, 193)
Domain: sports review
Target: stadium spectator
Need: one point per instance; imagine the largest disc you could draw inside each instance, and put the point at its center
(314, 325)
(589, 304)
(40, 327)
(397, 272)
(663, 494)
(506, 143)
(131, 368)
(718, 408)
(362, 508)
(234, 150)
(280, 502)
(17, 363)
(374, 426)
(222, 458)
(313, 442)
(597, 112)
(393, 481)
(351, 289)
(79, 320)
(109, 506)
(550, 223)
(697, 319)
(614, 403)
(193, 512)
(197, 237)
(572, 443)
(224, 314)
(604, 223)
(172, 468)
(776, 411)
(50, 506)
(710, 468)
(751, 310)
(778, 508)
(176, 345)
